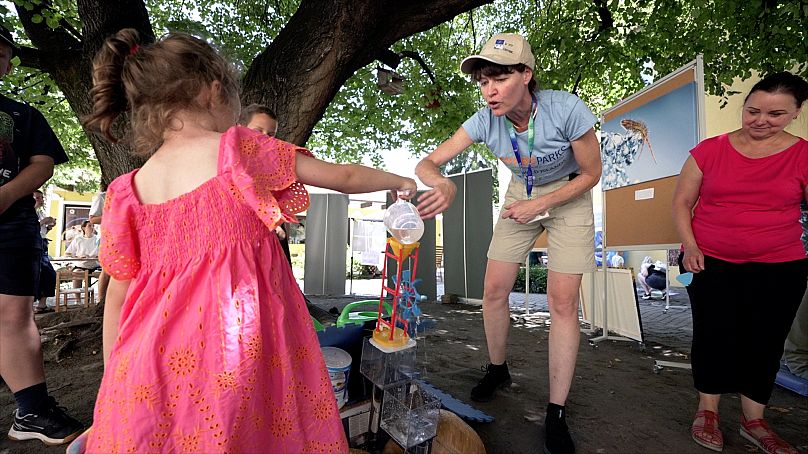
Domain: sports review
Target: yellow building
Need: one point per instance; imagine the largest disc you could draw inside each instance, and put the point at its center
(68, 208)
(728, 119)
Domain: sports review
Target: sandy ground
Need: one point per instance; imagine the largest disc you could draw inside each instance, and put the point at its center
(617, 405)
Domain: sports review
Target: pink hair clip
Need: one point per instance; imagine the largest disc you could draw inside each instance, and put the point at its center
(133, 50)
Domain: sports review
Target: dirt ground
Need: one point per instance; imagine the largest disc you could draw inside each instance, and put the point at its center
(617, 404)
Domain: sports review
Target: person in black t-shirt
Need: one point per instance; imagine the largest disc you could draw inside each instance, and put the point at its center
(28, 151)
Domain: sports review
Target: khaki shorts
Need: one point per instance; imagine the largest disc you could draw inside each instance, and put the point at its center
(570, 232)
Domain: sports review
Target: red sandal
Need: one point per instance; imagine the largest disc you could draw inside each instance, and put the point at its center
(707, 434)
(770, 443)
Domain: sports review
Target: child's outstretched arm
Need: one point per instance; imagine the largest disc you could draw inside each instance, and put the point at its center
(351, 178)
(116, 293)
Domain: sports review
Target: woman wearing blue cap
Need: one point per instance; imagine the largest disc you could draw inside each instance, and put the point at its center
(546, 139)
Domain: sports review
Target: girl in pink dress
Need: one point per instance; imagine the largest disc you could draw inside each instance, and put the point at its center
(208, 344)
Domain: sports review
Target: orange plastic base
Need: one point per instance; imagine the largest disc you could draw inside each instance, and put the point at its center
(382, 337)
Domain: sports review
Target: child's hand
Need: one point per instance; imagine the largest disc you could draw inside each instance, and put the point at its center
(406, 190)
(279, 231)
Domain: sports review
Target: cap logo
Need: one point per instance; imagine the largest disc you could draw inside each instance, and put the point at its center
(499, 44)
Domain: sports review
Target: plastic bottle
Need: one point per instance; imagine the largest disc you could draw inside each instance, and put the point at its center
(404, 222)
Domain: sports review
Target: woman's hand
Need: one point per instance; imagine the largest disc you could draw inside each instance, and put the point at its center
(524, 211)
(437, 200)
(693, 259)
(406, 190)
(48, 222)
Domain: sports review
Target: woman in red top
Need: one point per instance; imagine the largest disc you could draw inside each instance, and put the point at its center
(748, 185)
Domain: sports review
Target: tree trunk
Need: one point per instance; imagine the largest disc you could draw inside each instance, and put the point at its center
(298, 75)
(66, 55)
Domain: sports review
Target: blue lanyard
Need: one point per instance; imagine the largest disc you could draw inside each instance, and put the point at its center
(527, 171)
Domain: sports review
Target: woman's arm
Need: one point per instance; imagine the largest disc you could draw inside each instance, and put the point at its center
(684, 199)
(116, 293)
(351, 178)
(438, 199)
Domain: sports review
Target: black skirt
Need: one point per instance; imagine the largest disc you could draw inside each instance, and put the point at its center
(741, 316)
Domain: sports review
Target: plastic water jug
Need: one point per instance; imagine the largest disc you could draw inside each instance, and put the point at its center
(403, 222)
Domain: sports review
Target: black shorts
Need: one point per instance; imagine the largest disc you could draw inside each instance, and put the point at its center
(19, 271)
(47, 277)
(657, 281)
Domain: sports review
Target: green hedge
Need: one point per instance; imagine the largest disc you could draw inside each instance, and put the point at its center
(361, 271)
(538, 280)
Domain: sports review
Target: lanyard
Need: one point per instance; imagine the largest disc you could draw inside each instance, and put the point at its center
(527, 173)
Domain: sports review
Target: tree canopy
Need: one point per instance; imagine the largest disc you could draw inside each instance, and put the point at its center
(316, 61)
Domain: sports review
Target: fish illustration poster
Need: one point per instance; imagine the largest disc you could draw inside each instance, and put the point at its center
(650, 141)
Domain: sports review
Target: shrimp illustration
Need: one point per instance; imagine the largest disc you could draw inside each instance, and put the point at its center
(621, 150)
(642, 129)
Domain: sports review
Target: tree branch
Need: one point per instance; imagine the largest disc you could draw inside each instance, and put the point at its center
(357, 32)
(31, 58)
(606, 19)
(102, 18)
(70, 29)
(51, 44)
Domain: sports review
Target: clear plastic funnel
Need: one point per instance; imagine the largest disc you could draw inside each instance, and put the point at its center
(403, 222)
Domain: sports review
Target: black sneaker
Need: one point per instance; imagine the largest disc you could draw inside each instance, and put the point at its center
(51, 425)
(557, 439)
(496, 377)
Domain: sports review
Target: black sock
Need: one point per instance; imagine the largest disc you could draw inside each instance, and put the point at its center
(504, 365)
(556, 413)
(30, 398)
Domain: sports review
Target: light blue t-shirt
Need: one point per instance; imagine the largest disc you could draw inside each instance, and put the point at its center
(562, 118)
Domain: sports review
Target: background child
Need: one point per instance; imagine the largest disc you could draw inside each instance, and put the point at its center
(207, 343)
(262, 119)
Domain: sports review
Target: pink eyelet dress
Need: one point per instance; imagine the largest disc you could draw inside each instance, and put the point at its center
(216, 352)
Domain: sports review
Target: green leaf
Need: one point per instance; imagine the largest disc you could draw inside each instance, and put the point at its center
(52, 21)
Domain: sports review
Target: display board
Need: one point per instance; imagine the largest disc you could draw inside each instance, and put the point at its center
(630, 222)
(326, 244)
(646, 139)
(650, 136)
(467, 230)
(623, 311)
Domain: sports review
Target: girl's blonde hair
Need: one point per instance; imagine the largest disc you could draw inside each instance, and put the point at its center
(152, 82)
